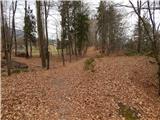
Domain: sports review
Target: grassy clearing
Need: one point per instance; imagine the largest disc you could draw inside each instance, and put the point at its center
(52, 49)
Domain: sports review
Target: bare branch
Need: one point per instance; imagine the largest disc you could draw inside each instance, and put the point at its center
(145, 8)
(141, 20)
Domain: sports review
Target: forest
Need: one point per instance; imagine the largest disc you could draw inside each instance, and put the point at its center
(80, 60)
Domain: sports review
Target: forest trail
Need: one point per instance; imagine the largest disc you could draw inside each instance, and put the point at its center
(71, 93)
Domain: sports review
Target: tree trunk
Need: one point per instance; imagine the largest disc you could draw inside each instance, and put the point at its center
(139, 27)
(75, 46)
(26, 46)
(72, 46)
(14, 7)
(30, 48)
(40, 34)
(159, 76)
(5, 37)
(25, 36)
(15, 42)
(68, 30)
(62, 52)
(46, 27)
(70, 54)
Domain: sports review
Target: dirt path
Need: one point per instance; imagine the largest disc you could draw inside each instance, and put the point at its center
(70, 93)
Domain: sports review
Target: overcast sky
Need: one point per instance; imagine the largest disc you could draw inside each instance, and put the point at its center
(54, 17)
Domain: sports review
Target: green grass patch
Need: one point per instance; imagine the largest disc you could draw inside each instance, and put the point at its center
(127, 112)
(52, 49)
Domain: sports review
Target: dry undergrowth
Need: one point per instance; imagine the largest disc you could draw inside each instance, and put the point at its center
(89, 64)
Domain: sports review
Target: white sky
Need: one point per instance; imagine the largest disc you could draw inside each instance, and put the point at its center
(54, 17)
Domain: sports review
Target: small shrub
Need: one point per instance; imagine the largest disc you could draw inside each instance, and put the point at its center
(127, 112)
(149, 54)
(99, 56)
(19, 70)
(131, 53)
(89, 64)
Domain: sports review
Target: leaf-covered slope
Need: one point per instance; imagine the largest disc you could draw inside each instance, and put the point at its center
(73, 93)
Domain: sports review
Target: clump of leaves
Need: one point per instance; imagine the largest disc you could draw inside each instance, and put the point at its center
(127, 112)
(89, 64)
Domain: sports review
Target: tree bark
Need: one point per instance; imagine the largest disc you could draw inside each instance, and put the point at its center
(62, 53)
(68, 30)
(46, 27)
(30, 48)
(14, 7)
(25, 35)
(5, 37)
(139, 27)
(40, 34)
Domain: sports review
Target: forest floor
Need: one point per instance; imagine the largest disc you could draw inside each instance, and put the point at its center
(120, 87)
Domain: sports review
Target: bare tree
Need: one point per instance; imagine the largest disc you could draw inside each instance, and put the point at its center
(41, 33)
(6, 39)
(14, 7)
(47, 8)
(139, 5)
(63, 15)
(25, 35)
(152, 36)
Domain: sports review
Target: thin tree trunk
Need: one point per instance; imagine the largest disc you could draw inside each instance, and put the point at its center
(62, 54)
(15, 42)
(159, 76)
(14, 7)
(9, 45)
(30, 48)
(40, 34)
(72, 47)
(46, 27)
(69, 38)
(70, 52)
(139, 27)
(63, 31)
(5, 38)
(7, 49)
(75, 46)
(25, 36)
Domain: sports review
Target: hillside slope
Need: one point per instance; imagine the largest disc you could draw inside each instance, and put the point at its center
(71, 93)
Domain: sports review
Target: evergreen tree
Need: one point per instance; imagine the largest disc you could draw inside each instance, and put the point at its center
(30, 28)
(80, 26)
(102, 26)
(82, 30)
